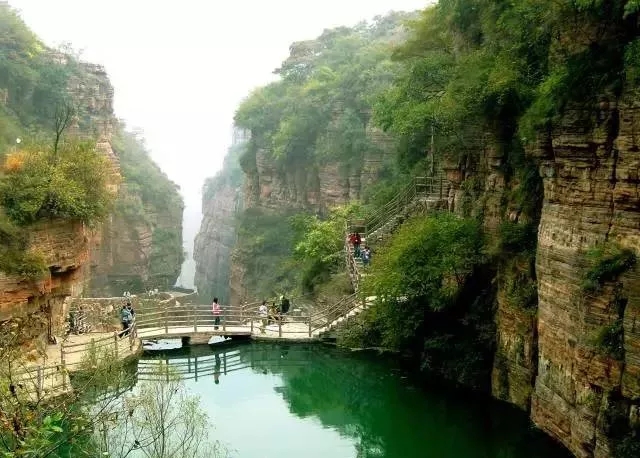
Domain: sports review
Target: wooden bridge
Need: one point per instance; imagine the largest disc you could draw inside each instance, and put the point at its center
(196, 323)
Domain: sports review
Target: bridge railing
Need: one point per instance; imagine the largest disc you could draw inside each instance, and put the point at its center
(419, 187)
(195, 319)
(39, 382)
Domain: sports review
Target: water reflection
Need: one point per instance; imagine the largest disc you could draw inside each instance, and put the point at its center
(365, 400)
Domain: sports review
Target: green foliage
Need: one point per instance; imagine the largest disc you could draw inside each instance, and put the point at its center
(607, 263)
(474, 67)
(320, 244)
(230, 176)
(610, 340)
(149, 198)
(265, 248)
(71, 183)
(428, 258)
(15, 258)
(628, 446)
(517, 238)
(142, 176)
(34, 77)
(60, 426)
(320, 108)
(166, 256)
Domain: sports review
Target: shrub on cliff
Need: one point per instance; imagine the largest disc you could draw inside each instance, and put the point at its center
(423, 269)
(319, 244)
(428, 258)
(606, 264)
(15, 258)
(70, 183)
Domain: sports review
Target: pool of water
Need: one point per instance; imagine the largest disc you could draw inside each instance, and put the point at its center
(277, 400)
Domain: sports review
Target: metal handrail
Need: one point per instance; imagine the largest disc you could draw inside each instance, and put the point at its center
(419, 186)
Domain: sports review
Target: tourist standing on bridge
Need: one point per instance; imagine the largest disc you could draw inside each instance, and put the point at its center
(284, 304)
(130, 308)
(216, 310)
(263, 312)
(126, 318)
(366, 256)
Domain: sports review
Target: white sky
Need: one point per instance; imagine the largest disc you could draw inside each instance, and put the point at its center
(180, 68)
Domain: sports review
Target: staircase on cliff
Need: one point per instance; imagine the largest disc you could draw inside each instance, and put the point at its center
(422, 194)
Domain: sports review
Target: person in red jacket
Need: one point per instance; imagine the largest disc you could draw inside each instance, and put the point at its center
(356, 245)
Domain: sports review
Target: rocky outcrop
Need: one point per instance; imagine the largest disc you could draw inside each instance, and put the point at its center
(315, 186)
(222, 199)
(137, 251)
(79, 258)
(65, 249)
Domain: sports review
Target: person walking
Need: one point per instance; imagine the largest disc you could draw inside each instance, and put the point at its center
(356, 245)
(126, 318)
(263, 312)
(217, 311)
(284, 304)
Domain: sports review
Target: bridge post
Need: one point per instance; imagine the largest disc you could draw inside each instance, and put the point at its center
(224, 322)
(195, 318)
(280, 326)
(40, 383)
(309, 324)
(166, 320)
(115, 342)
(62, 361)
(133, 333)
(195, 365)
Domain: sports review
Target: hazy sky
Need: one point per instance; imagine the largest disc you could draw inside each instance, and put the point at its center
(180, 68)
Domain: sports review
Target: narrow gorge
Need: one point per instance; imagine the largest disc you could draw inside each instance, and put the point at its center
(532, 118)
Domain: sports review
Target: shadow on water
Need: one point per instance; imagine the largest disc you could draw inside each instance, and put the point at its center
(369, 400)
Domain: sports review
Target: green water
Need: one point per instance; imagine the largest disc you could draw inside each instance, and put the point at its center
(315, 401)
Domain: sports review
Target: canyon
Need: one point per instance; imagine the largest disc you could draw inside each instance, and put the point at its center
(565, 352)
(138, 246)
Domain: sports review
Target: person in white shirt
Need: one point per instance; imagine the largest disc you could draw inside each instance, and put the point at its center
(263, 312)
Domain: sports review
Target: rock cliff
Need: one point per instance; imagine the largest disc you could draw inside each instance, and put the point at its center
(562, 356)
(585, 397)
(222, 200)
(140, 246)
(37, 87)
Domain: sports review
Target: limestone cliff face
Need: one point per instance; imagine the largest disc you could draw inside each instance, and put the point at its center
(140, 245)
(65, 248)
(581, 396)
(222, 199)
(315, 186)
(548, 359)
(78, 257)
(65, 245)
